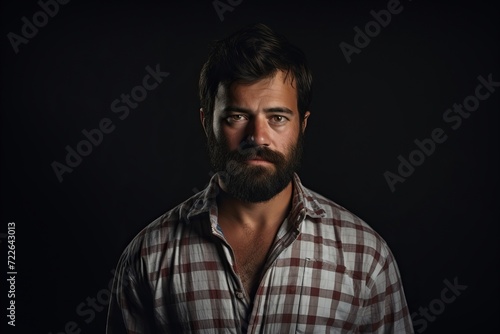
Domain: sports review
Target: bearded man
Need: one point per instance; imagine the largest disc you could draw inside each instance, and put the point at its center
(256, 251)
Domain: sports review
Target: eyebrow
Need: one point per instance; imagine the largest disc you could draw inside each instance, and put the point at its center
(283, 110)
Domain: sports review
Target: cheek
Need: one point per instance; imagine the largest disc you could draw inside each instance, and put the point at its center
(231, 136)
(289, 139)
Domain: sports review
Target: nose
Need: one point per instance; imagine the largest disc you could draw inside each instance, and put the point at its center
(258, 131)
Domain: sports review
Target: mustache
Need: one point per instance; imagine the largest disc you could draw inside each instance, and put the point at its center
(262, 152)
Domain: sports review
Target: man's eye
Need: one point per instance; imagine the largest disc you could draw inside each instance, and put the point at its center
(278, 119)
(235, 118)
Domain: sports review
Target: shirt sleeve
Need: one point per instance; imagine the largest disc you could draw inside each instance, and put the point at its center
(385, 309)
(131, 305)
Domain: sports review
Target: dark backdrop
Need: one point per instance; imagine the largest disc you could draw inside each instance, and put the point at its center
(439, 222)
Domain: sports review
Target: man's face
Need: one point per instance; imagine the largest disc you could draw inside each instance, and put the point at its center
(256, 137)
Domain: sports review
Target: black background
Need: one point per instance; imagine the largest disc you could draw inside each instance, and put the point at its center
(439, 223)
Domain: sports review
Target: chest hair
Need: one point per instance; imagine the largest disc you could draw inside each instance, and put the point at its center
(251, 252)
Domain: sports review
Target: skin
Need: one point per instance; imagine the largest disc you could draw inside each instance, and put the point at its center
(266, 112)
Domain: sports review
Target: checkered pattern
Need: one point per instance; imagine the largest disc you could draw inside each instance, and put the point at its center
(327, 272)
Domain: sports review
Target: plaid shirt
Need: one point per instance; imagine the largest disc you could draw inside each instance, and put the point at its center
(327, 272)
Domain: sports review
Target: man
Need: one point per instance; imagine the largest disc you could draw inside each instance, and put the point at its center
(257, 252)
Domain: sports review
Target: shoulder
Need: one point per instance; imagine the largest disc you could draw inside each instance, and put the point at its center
(159, 235)
(360, 246)
(188, 220)
(337, 216)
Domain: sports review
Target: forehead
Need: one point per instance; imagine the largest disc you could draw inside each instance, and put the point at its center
(277, 90)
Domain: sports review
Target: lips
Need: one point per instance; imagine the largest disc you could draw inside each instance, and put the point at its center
(263, 160)
(257, 160)
(258, 155)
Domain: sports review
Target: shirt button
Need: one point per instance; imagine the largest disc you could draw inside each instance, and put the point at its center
(300, 217)
(240, 295)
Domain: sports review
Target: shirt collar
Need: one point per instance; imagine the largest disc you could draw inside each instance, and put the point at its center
(304, 202)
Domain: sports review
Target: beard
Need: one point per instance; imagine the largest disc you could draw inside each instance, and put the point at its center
(251, 183)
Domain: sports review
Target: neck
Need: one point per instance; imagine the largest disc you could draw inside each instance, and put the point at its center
(255, 215)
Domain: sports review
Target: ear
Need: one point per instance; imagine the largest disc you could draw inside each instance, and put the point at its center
(304, 121)
(203, 120)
